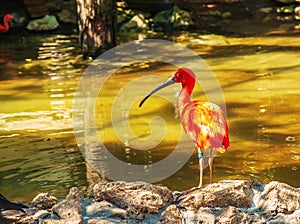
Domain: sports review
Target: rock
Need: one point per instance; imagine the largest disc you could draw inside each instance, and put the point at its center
(234, 215)
(138, 22)
(222, 194)
(226, 202)
(174, 17)
(203, 215)
(44, 201)
(100, 221)
(8, 205)
(105, 209)
(39, 215)
(172, 215)
(285, 9)
(11, 211)
(62, 221)
(11, 216)
(279, 198)
(43, 24)
(136, 197)
(70, 208)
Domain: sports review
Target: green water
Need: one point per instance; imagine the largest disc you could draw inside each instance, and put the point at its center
(259, 77)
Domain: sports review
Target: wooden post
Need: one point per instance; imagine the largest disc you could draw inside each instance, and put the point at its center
(97, 25)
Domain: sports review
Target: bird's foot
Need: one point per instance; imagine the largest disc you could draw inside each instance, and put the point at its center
(177, 195)
(191, 189)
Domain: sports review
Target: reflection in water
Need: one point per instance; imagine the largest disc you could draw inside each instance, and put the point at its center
(38, 152)
(58, 53)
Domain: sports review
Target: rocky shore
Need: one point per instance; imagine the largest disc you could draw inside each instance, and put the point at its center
(235, 201)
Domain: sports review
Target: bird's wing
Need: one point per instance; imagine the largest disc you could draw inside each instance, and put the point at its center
(205, 124)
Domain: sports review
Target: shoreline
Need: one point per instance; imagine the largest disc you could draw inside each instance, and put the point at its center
(234, 201)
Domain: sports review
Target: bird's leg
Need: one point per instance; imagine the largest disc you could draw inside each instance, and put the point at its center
(210, 162)
(201, 166)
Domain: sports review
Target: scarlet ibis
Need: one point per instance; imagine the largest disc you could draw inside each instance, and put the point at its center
(203, 122)
(6, 20)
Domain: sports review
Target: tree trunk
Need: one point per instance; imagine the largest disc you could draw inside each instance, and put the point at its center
(97, 25)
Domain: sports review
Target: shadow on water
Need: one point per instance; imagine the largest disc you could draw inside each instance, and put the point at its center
(39, 74)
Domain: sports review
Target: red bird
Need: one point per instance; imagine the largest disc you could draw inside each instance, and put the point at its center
(203, 122)
(6, 20)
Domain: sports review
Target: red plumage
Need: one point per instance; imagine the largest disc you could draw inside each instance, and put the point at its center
(203, 122)
(6, 20)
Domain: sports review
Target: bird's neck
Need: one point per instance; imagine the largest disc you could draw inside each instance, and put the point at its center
(5, 25)
(184, 97)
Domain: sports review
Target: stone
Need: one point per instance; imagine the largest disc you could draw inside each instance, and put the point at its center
(39, 215)
(8, 205)
(234, 215)
(137, 22)
(203, 215)
(43, 24)
(44, 201)
(293, 218)
(70, 208)
(100, 221)
(62, 221)
(226, 202)
(279, 198)
(105, 209)
(11, 216)
(11, 212)
(136, 197)
(285, 9)
(222, 194)
(172, 215)
(173, 17)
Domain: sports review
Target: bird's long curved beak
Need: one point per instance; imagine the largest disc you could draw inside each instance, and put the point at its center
(166, 83)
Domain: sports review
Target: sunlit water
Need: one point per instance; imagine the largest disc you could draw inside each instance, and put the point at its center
(259, 77)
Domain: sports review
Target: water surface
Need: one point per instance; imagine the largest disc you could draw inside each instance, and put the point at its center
(259, 77)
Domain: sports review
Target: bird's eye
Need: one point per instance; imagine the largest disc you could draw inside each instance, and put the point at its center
(179, 75)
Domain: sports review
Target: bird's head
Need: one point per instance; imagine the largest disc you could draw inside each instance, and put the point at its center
(8, 17)
(184, 76)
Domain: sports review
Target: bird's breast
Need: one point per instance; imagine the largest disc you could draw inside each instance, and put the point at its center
(204, 123)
